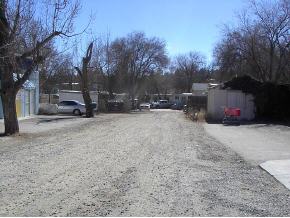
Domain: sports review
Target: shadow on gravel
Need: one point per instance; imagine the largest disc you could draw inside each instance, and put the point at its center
(258, 123)
(110, 198)
(48, 120)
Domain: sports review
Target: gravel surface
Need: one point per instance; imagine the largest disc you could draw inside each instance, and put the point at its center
(154, 163)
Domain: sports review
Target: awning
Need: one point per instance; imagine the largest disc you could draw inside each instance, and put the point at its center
(28, 85)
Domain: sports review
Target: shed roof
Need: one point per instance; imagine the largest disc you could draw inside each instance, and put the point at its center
(27, 85)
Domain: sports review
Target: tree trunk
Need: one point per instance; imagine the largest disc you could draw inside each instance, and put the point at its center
(83, 75)
(189, 86)
(132, 96)
(88, 103)
(9, 109)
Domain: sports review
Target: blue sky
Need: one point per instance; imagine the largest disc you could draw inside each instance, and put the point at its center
(185, 25)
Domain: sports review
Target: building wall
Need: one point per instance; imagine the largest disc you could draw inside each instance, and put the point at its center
(219, 99)
(34, 78)
(181, 98)
(19, 109)
(27, 99)
(200, 89)
(1, 109)
(49, 98)
(172, 98)
(25, 103)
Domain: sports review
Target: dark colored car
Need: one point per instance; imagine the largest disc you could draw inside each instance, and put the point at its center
(115, 106)
(94, 105)
(161, 104)
(177, 106)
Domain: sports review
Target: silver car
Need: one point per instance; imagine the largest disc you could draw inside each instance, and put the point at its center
(71, 107)
(145, 106)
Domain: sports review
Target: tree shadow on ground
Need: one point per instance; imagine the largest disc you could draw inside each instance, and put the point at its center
(259, 123)
(48, 120)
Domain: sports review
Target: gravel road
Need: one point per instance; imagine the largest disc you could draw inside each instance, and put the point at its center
(154, 163)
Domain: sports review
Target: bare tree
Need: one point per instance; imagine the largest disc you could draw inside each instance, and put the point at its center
(104, 62)
(187, 67)
(83, 74)
(260, 44)
(56, 72)
(143, 56)
(126, 61)
(23, 36)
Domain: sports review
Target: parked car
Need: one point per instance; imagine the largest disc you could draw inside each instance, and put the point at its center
(177, 106)
(71, 107)
(115, 106)
(145, 106)
(161, 104)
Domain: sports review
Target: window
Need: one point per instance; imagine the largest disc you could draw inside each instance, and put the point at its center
(71, 103)
(62, 103)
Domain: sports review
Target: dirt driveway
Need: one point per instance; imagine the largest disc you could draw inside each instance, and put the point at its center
(141, 164)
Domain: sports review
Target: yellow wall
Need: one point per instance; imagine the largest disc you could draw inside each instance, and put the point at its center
(19, 104)
(18, 107)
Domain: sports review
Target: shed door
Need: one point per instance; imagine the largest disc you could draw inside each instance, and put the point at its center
(27, 103)
(32, 102)
(18, 104)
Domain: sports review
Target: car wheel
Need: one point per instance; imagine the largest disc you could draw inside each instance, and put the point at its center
(77, 112)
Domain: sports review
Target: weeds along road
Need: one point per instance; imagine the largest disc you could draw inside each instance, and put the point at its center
(142, 164)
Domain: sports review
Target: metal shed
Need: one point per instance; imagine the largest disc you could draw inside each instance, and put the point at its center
(27, 98)
(218, 99)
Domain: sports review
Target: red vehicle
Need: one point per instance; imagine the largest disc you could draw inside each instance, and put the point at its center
(231, 115)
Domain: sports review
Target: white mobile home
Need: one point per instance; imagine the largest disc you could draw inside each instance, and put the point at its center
(181, 98)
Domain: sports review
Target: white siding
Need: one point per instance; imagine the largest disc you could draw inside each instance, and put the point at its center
(27, 102)
(218, 99)
(199, 86)
(32, 102)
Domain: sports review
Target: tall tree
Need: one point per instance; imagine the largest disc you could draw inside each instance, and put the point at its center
(23, 36)
(126, 61)
(187, 68)
(83, 75)
(56, 73)
(144, 56)
(104, 63)
(260, 44)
